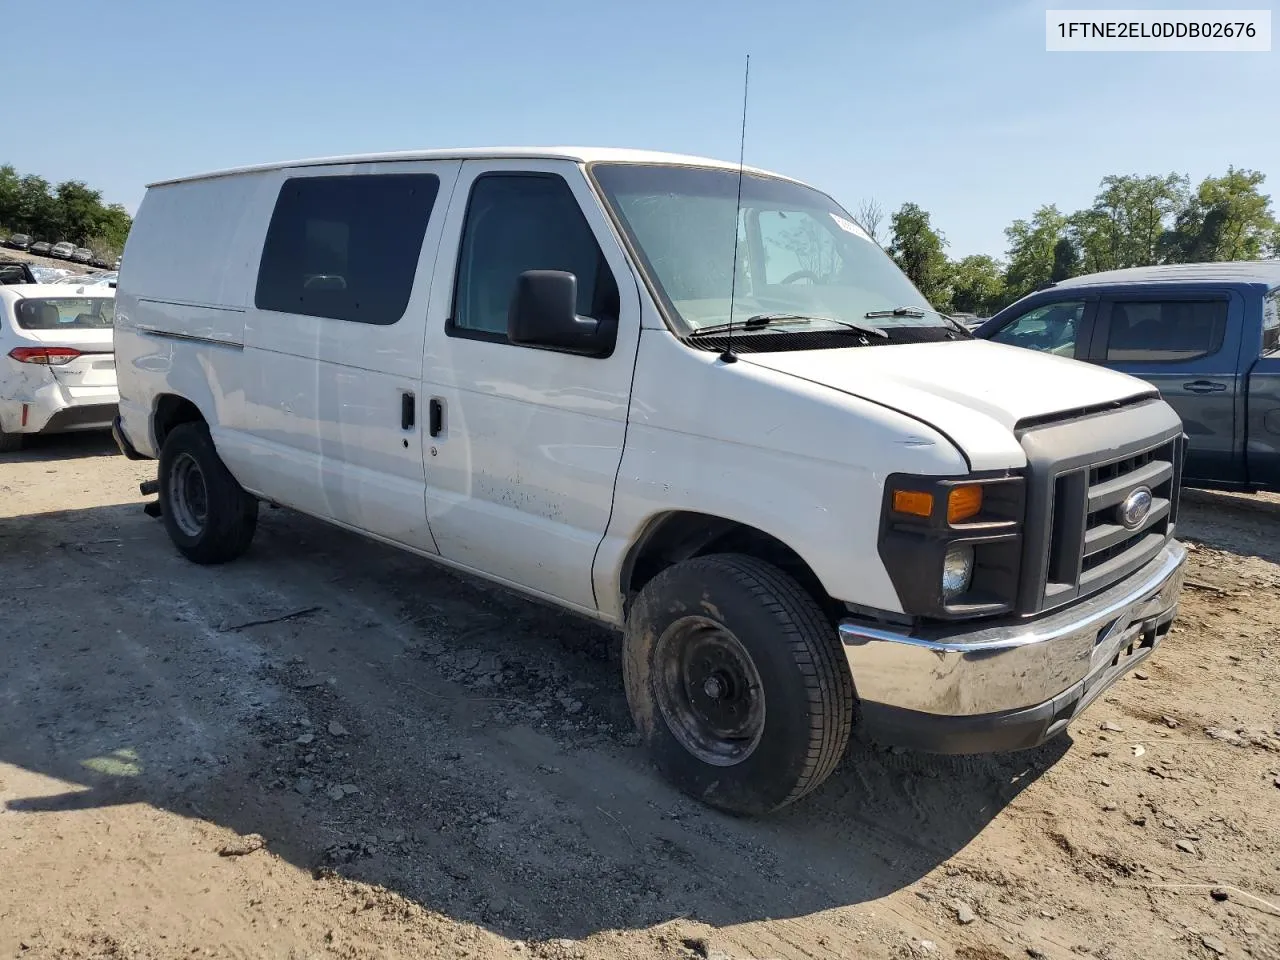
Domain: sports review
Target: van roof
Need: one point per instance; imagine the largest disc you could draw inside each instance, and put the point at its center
(1241, 271)
(574, 154)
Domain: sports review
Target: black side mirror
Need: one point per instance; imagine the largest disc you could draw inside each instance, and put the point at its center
(543, 313)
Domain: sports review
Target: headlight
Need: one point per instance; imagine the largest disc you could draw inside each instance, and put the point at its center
(952, 546)
(957, 571)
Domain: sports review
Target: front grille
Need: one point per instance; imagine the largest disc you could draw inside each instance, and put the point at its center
(1089, 546)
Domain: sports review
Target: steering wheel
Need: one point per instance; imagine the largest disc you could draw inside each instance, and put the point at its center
(800, 275)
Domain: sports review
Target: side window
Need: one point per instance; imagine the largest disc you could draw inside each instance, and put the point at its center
(1050, 327)
(1167, 331)
(1271, 322)
(519, 222)
(346, 248)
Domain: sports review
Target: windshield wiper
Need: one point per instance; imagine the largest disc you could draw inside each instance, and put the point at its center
(762, 320)
(917, 313)
(895, 312)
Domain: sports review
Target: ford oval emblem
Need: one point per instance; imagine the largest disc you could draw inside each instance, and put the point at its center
(1135, 507)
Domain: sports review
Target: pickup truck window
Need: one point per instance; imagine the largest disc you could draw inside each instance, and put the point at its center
(1168, 331)
(1050, 327)
(519, 222)
(345, 248)
(800, 253)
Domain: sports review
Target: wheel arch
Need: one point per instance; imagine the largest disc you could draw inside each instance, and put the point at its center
(678, 535)
(168, 411)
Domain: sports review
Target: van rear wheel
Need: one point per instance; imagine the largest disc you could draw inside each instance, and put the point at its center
(208, 515)
(737, 683)
(10, 442)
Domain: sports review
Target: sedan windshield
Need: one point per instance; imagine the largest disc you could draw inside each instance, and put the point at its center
(799, 253)
(59, 313)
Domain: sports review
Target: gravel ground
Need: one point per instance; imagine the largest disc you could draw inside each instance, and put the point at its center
(331, 748)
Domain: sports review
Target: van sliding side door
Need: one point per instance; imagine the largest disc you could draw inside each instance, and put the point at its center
(334, 343)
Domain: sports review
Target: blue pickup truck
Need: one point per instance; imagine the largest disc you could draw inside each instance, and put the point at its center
(1207, 335)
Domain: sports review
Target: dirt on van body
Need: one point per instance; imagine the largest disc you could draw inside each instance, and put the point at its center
(331, 748)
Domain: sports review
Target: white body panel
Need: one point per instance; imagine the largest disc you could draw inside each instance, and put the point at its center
(322, 403)
(78, 395)
(520, 482)
(549, 466)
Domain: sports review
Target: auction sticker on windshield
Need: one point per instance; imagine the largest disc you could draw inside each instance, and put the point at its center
(848, 226)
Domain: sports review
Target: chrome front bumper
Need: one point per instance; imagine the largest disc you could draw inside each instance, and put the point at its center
(955, 689)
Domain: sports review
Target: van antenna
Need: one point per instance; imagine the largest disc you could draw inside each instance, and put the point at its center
(727, 356)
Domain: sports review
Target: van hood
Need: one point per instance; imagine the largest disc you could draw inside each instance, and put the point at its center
(975, 392)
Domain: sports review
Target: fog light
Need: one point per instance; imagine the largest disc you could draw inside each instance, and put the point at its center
(957, 572)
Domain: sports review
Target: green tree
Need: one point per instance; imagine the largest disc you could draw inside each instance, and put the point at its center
(977, 285)
(74, 212)
(79, 210)
(37, 210)
(1228, 218)
(1066, 259)
(917, 248)
(10, 190)
(1129, 218)
(1031, 250)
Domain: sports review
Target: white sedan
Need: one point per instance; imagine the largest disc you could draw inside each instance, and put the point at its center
(57, 360)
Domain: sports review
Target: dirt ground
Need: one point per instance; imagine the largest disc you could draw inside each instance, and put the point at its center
(439, 769)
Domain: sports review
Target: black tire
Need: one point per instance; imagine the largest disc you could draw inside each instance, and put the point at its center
(223, 529)
(10, 442)
(807, 691)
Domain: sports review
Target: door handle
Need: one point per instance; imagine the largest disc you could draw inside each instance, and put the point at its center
(1204, 386)
(437, 416)
(406, 411)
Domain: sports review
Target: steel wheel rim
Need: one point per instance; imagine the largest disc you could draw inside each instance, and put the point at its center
(709, 691)
(188, 495)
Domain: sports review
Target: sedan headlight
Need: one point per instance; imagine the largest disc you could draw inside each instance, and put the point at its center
(952, 545)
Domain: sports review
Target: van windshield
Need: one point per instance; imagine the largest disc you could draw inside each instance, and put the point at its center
(799, 252)
(60, 313)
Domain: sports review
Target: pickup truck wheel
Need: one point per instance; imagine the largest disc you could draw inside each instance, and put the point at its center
(208, 515)
(737, 683)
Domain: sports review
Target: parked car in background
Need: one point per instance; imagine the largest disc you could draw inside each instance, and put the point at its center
(90, 279)
(82, 255)
(57, 361)
(63, 250)
(116, 264)
(41, 248)
(100, 261)
(1206, 334)
(18, 241)
(48, 274)
(853, 494)
(15, 271)
(969, 321)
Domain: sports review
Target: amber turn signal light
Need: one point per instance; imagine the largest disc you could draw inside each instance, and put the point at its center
(963, 503)
(914, 502)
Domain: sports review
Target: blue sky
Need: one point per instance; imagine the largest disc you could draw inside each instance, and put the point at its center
(953, 105)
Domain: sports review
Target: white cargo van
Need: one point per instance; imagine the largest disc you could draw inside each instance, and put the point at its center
(840, 512)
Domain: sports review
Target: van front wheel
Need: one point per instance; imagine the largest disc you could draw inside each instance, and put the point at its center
(208, 515)
(737, 683)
